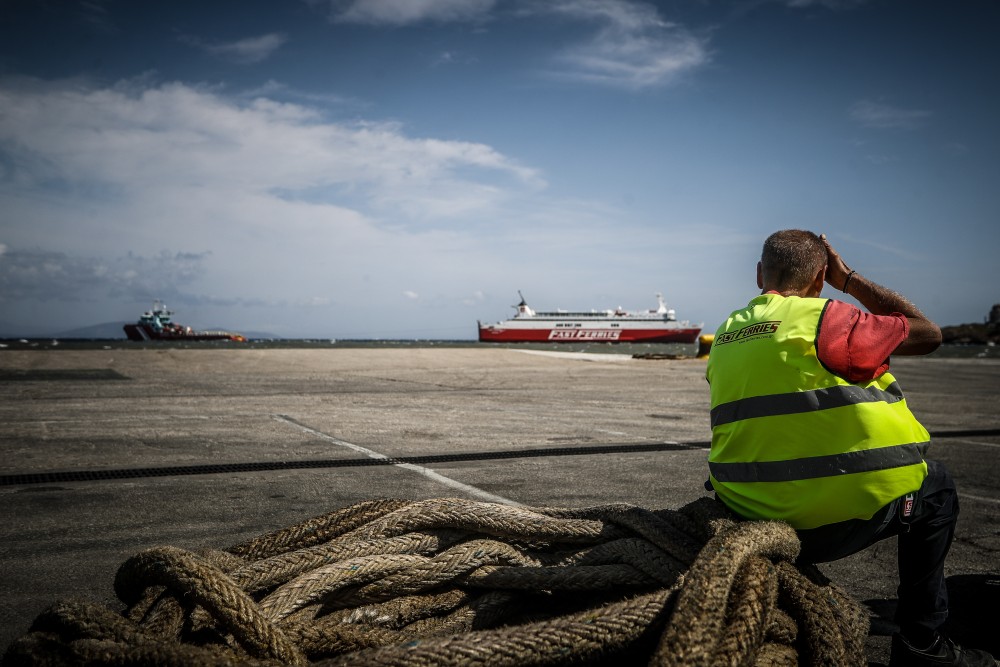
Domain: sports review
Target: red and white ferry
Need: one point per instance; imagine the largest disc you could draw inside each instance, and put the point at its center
(611, 326)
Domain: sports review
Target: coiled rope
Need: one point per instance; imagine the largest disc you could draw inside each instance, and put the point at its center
(459, 582)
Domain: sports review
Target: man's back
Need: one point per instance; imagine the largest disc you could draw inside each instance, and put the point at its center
(794, 441)
(809, 426)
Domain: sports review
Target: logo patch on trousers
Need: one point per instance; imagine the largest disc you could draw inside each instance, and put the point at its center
(907, 505)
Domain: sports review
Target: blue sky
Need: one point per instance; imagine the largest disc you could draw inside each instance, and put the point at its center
(400, 168)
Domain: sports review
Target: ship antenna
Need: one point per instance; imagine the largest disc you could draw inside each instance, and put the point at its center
(523, 302)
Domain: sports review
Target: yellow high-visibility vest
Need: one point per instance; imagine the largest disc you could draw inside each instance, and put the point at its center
(793, 441)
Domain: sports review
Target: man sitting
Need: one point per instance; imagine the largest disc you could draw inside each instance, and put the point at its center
(809, 427)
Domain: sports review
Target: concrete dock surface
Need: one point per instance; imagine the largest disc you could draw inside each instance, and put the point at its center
(106, 452)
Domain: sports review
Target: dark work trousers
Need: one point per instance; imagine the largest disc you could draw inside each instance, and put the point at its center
(925, 523)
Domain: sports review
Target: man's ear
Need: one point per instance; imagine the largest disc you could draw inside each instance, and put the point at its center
(760, 276)
(818, 281)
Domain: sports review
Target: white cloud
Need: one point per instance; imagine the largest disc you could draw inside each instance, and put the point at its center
(276, 90)
(45, 275)
(633, 48)
(403, 12)
(95, 14)
(410, 294)
(154, 139)
(453, 58)
(245, 51)
(883, 116)
(266, 216)
(98, 182)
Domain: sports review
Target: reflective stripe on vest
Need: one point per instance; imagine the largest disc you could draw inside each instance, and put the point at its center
(802, 401)
(820, 466)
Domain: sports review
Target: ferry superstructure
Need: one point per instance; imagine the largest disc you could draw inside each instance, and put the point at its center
(613, 326)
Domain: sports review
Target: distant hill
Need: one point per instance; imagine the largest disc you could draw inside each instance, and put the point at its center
(975, 334)
(108, 330)
(971, 334)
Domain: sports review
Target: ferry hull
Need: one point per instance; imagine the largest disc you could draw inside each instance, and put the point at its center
(492, 334)
(607, 326)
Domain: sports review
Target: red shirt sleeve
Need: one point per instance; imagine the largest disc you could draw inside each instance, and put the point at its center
(856, 345)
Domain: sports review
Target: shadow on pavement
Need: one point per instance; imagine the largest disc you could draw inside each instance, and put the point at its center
(972, 620)
(974, 601)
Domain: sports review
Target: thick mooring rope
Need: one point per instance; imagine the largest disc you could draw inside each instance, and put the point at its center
(458, 582)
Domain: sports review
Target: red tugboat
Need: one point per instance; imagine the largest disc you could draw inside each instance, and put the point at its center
(156, 324)
(610, 326)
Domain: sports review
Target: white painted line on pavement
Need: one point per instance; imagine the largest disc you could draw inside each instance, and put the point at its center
(421, 470)
(579, 356)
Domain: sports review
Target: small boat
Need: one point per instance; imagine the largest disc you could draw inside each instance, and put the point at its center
(610, 326)
(156, 324)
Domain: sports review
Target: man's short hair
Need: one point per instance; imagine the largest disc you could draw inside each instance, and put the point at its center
(791, 259)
